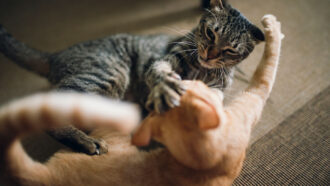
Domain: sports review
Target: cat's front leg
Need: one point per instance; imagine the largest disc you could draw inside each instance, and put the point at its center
(79, 141)
(165, 87)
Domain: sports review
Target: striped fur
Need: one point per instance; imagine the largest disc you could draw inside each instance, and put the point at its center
(205, 140)
(143, 69)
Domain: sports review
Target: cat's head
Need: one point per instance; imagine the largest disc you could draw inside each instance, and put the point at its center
(191, 131)
(224, 36)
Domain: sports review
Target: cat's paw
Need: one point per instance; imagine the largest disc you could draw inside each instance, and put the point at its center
(166, 94)
(272, 28)
(92, 146)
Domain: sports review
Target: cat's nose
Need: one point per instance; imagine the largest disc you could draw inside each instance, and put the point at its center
(212, 53)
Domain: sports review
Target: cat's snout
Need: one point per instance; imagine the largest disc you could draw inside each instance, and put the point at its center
(213, 53)
(209, 54)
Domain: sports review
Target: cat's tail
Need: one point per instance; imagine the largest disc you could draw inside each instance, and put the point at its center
(48, 111)
(23, 55)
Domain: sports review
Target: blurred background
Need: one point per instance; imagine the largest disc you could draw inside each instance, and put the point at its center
(292, 138)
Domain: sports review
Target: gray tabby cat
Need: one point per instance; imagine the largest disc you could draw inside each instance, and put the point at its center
(143, 69)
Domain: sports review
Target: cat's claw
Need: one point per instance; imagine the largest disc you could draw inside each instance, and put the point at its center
(101, 147)
(93, 146)
(166, 94)
(97, 152)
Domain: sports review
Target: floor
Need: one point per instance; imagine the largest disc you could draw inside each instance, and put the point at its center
(303, 74)
(296, 152)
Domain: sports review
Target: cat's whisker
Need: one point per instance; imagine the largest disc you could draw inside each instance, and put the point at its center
(190, 37)
(184, 42)
(186, 35)
(182, 51)
(174, 30)
(222, 76)
(194, 53)
(189, 32)
(196, 75)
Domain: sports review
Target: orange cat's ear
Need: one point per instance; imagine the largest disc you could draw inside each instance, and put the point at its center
(143, 134)
(207, 116)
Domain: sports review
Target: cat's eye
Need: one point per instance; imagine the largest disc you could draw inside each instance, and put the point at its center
(210, 34)
(230, 51)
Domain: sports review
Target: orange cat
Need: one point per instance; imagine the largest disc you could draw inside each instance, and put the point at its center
(205, 141)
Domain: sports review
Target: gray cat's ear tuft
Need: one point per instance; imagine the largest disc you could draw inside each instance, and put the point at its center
(257, 34)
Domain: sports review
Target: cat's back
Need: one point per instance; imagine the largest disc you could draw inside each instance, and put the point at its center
(106, 52)
(153, 44)
(119, 44)
(96, 57)
(96, 47)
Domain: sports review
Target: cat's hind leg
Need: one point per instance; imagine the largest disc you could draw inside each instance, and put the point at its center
(107, 78)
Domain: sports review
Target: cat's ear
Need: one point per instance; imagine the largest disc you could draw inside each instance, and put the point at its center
(142, 136)
(144, 133)
(207, 115)
(257, 34)
(218, 4)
